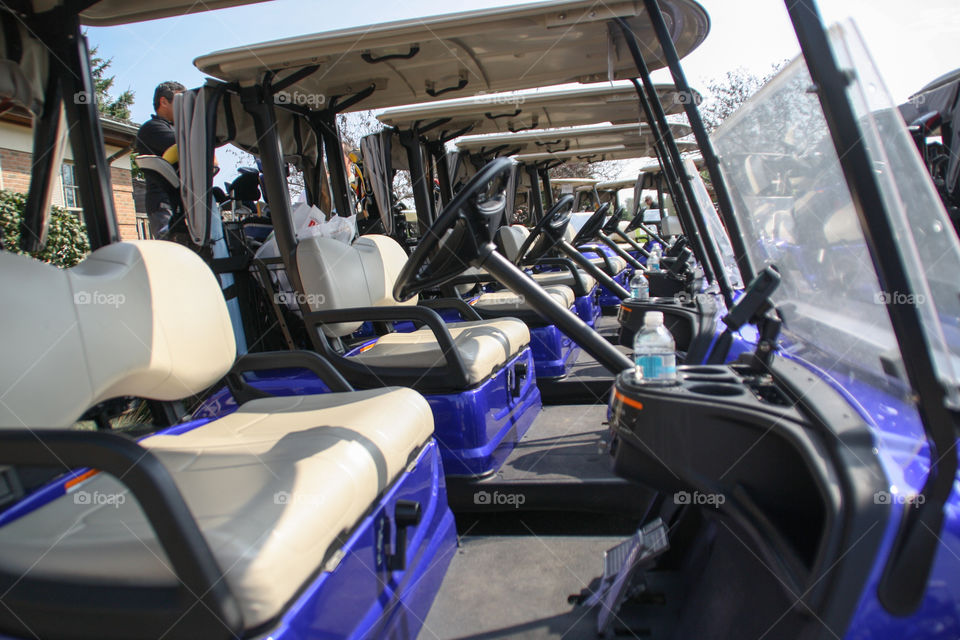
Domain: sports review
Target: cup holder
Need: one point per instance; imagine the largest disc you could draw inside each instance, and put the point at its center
(717, 390)
(705, 370)
(727, 379)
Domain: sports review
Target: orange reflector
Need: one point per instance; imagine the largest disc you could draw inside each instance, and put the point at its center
(84, 476)
(630, 402)
(369, 346)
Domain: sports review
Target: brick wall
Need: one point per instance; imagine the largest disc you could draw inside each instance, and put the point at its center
(16, 170)
(16, 165)
(123, 202)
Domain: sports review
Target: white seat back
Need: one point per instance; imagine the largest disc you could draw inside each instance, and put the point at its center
(144, 318)
(511, 238)
(336, 275)
(161, 167)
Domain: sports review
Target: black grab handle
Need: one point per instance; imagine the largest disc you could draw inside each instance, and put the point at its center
(414, 50)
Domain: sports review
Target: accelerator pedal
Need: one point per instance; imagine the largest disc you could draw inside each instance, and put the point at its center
(620, 565)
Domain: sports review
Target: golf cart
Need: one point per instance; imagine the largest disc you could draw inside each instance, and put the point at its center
(934, 111)
(811, 493)
(290, 515)
(477, 374)
(805, 494)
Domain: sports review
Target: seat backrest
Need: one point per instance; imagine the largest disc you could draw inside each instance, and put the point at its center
(510, 239)
(337, 275)
(144, 318)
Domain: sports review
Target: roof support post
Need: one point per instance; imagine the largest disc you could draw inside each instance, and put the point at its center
(70, 64)
(422, 197)
(703, 140)
(259, 104)
(536, 199)
(325, 124)
(545, 182)
(709, 256)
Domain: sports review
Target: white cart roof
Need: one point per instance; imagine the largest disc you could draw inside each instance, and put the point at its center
(553, 140)
(600, 154)
(462, 54)
(577, 182)
(512, 112)
(113, 12)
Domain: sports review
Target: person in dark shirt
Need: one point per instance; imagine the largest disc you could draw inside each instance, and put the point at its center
(156, 136)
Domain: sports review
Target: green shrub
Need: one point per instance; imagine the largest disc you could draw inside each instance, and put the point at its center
(67, 242)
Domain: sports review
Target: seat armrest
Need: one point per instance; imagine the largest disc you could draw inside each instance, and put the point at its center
(160, 167)
(579, 286)
(608, 265)
(423, 315)
(466, 311)
(155, 491)
(315, 363)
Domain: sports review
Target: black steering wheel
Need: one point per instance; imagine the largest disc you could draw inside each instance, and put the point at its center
(462, 228)
(548, 232)
(614, 222)
(592, 226)
(636, 221)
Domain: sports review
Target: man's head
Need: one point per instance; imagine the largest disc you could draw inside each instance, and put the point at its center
(163, 98)
(648, 201)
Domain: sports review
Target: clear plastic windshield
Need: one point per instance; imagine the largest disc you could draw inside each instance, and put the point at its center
(717, 232)
(796, 212)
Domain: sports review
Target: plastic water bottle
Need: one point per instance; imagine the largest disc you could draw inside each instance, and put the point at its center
(654, 352)
(653, 262)
(639, 287)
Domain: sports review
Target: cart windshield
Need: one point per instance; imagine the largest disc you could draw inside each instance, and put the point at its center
(796, 212)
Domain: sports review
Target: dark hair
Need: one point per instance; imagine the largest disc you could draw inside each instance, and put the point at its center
(166, 90)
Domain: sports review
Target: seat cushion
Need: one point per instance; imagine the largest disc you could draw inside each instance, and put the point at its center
(551, 278)
(271, 486)
(484, 345)
(619, 264)
(506, 301)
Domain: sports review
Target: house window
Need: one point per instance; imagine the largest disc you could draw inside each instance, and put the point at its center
(71, 192)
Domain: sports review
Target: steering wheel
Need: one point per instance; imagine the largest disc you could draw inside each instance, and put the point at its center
(456, 236)
(614, 222)
(592, 226)
(636, 221)
(548, 232)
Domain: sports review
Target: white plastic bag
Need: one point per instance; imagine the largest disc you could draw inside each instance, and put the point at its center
(308, 221)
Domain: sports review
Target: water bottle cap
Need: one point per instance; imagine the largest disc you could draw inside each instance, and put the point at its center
(653, 319)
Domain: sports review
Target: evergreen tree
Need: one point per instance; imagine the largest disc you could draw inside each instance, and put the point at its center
(117, 108)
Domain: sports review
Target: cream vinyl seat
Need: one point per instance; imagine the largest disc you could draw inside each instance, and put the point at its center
(619, 264)
(272, 486)
(342, 277)
(506, 301)
(565, 278)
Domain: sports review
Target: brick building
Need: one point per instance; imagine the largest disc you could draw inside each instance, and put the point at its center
(16, 145)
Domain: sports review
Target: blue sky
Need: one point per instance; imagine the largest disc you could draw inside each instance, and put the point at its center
(910, 47)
